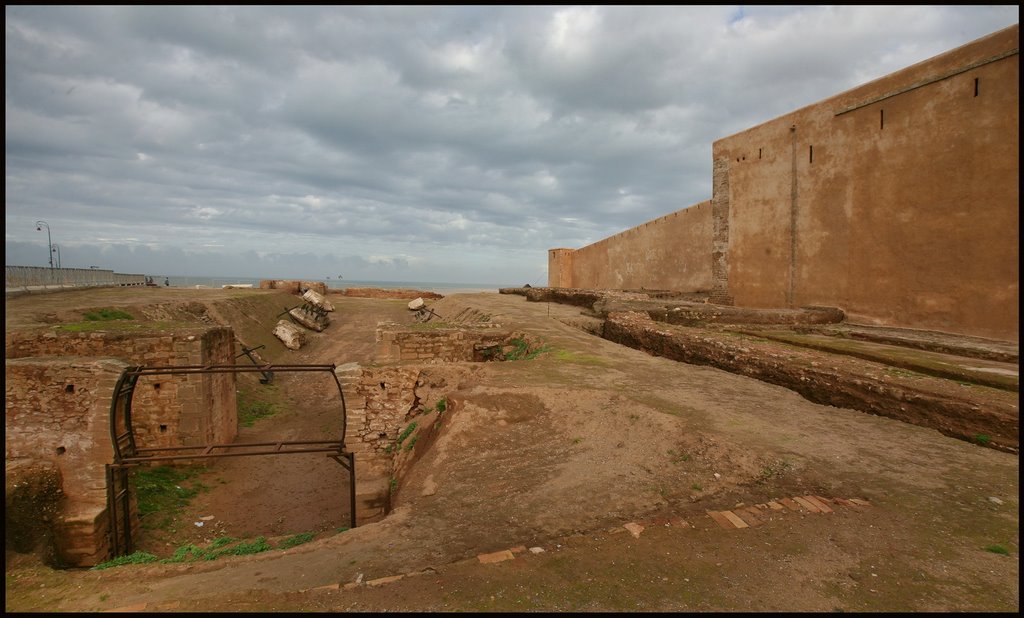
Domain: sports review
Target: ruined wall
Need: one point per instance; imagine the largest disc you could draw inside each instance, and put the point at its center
(896, 201)
(166, 410)
(57, 417)
(560, 268)
(293, 286)
(668, 253)
(438, 345)
(397, 293)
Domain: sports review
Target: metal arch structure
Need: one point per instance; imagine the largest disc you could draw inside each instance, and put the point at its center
(127, 454)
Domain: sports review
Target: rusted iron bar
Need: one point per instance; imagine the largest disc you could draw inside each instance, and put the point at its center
(129, 461)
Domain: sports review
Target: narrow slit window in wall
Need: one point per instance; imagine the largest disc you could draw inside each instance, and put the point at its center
(70, 388)
(881, 119)
(810, 154)
(975, 86)
(758, 153)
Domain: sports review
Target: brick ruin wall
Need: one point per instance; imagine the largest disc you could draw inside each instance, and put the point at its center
(56, 421)
(58, 395)
(294, 286)
(668, 253)
(170, 410)
(896, 201)
(403, 294)
(441, 345)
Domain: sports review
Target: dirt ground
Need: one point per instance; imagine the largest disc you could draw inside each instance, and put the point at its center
(558, 454)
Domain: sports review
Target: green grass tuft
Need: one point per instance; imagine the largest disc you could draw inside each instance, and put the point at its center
(298, 539)
(104, 315)
(139, 557)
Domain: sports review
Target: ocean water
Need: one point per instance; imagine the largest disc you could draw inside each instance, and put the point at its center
(337, 284)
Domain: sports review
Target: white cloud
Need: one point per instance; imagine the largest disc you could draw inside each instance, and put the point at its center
(435, 142)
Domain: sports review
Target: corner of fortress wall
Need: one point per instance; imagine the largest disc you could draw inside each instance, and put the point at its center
(896, 201)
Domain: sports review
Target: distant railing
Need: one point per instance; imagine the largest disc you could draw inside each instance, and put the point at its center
(33, 278)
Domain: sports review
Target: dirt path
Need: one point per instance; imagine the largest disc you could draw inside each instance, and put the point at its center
(560, 452)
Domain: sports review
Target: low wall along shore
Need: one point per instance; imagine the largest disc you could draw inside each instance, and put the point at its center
(23, 279)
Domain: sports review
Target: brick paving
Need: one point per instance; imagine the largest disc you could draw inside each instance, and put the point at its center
(739, 517)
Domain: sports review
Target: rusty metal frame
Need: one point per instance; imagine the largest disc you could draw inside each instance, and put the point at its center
(127, 454)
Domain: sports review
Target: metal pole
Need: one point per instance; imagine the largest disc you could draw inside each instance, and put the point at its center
(57, 249)
(49, 243)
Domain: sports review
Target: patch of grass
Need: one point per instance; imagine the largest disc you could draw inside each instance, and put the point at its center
(405, 434)
(258, 545)
(774, 469)
(139, 557)
(341, 529)
(521, 350)
(697, 487)
(250, 412)
(104, 315)
(298, 539)
(186, 553)
(222, 541)
(408, 447)
(160, 493)
(678, 457)
(901, 373)
(580, 359)
(998, 549)
(394, 483)
(442, 405)
(982, 439)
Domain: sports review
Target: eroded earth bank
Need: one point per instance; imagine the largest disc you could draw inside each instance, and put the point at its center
(579, 474)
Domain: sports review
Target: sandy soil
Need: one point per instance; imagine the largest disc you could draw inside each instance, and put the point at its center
(559, 453)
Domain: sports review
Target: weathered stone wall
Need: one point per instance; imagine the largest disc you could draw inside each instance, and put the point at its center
(387, 293)
(57, 417)
(896, 201)
(292, 286)
(383, 403)
(170, 410)
(560, 268)
(437, 345)
(668, 253)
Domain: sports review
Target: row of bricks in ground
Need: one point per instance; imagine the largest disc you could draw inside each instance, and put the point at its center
(813, 504)
(753, 516)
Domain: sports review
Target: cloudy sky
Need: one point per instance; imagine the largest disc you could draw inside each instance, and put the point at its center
(443, 144)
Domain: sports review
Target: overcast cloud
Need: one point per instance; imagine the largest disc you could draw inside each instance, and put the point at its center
(453, 144)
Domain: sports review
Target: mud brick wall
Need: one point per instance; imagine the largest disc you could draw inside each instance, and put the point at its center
(440, 345)
(897, 201)
(378, 404)
(293, 287)
(57, 417)
(388, 293)
(168, 410)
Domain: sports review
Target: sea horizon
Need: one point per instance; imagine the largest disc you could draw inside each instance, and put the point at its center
(438, 287)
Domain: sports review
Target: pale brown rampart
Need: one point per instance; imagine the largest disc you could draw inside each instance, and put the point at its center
(896, 201)
(59, 388)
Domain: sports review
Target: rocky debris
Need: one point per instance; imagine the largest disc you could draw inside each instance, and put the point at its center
(416, 304)
(389, 293)
(849, 383)
(290, 335)
(317, 300)
(310, 317)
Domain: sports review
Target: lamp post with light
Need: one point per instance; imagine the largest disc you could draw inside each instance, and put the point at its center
(57, 249)
(39, 228)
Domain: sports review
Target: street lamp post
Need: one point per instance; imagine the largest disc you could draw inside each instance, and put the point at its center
(39, 228)
(57, 249)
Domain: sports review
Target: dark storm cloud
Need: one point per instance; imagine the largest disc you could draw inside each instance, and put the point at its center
(437, 142)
